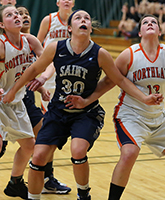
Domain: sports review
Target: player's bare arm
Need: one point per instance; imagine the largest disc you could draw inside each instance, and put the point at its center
(122, 61)
(43, 30)
(39, 81)
(35, 44)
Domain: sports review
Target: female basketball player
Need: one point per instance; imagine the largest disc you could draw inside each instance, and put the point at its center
(14, 122)
(4, 144)
(78, 74)
(135, 122)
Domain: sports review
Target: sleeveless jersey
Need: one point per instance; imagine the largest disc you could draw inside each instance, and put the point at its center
(15, 63)
(57, 30)
(76, 73)
(148, 76)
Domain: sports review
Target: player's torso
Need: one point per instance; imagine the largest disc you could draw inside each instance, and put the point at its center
(148, 75)
(15, 63)
(57, 30)
(76, 74)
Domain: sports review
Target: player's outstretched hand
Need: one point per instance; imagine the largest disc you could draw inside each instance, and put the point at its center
(75, 101)
(9, 97)
(154, 99)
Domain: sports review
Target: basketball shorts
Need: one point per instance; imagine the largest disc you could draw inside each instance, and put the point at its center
(58, 125)
(14, 122)
(132, 128)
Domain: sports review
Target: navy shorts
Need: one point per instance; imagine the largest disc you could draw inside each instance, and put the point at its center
(34, 112)
(58, 125)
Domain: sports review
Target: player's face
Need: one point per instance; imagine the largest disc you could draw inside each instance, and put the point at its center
(11, 19)
(5, 2)
(26, 19)
(81, 23)
(65, 5)
(149, 25)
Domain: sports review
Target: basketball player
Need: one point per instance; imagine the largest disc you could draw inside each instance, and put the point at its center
(78, 74)
(136, 122)
(3, 147)
(14, 122)
(52, 185)
(54, 28)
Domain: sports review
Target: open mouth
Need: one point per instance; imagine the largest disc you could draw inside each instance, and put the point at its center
(26, 22)
(83, 27)
(17, 22)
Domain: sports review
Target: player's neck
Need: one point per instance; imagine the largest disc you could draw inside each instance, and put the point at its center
(15, 39)
(78, 46)
(150, 45)
(64, 16)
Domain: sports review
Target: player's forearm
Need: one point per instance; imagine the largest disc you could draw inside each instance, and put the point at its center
(48, 73)
(40, 89)
(132, 90)
(28, 75)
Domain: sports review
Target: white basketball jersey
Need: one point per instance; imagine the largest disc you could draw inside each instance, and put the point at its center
(15, 63)
(148, 76)
(57, 30)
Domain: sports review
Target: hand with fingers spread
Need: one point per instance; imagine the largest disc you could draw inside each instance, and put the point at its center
(75, 101)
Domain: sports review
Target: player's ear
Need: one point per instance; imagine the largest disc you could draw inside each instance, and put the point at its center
(139, 34)
(69, 29)
(57, 3)
(2, 25)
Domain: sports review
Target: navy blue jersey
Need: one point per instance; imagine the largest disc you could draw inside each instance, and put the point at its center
(77, 74)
